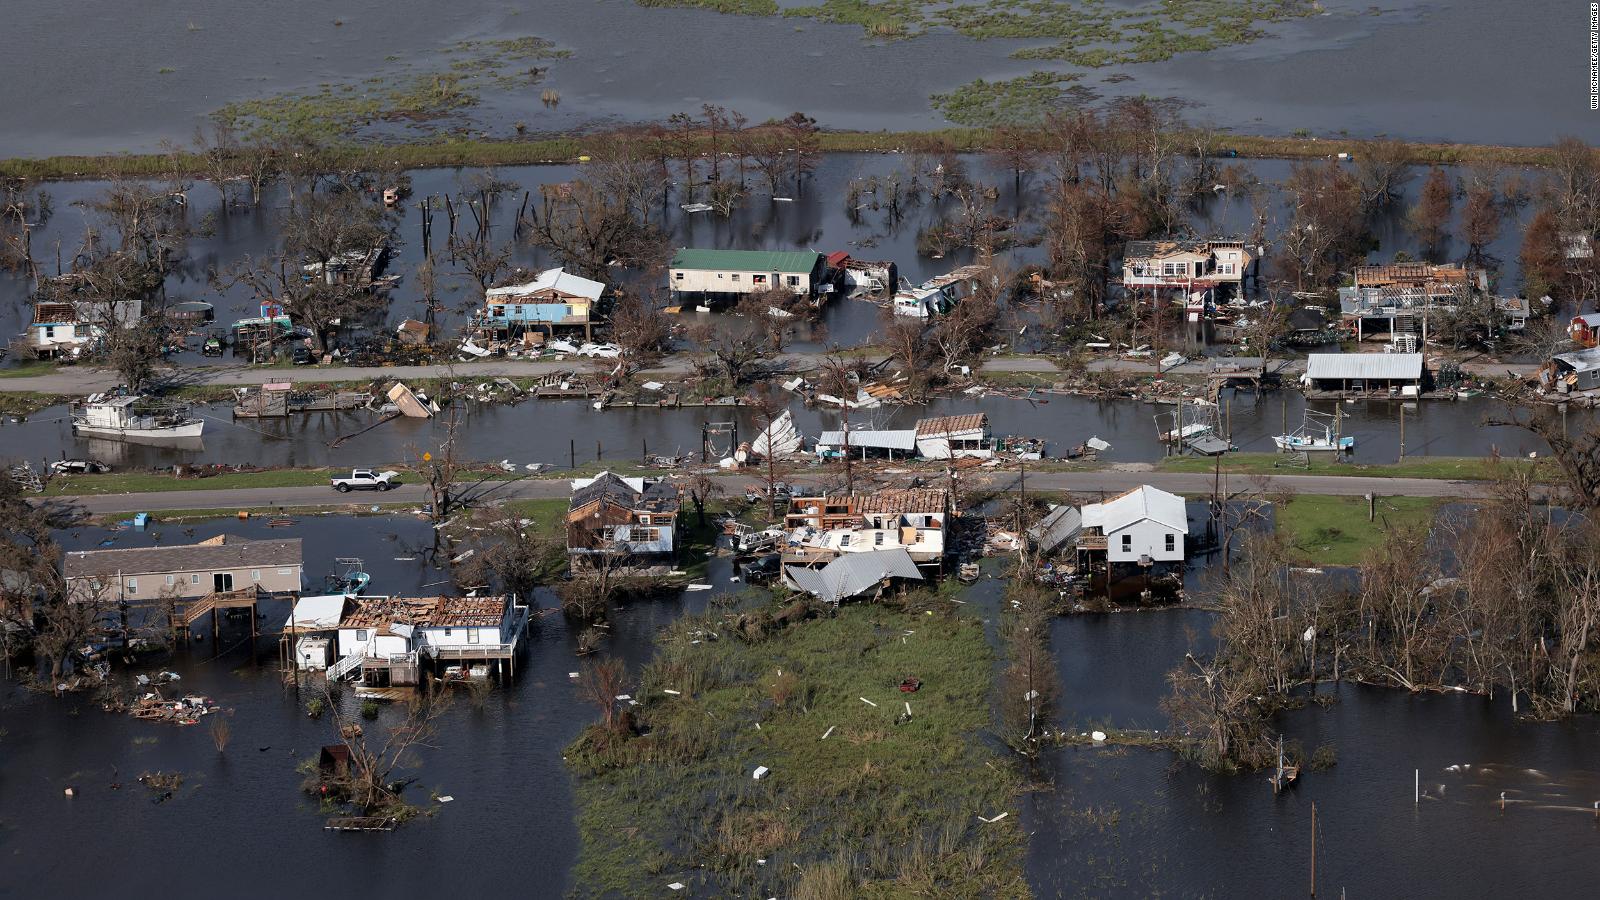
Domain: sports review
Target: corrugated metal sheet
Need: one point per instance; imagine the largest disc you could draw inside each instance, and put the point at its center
(1390, 366)
(1580, 360)
(854, 573)
(1056, 529)
(879, 440)
(791, 262)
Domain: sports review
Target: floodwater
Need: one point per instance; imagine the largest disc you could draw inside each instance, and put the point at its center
(816, 219)
(561, 433)
(240, 822)
(134, 77)
(1107, 823)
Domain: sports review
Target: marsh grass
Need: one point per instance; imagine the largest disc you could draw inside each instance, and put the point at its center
(876, 807)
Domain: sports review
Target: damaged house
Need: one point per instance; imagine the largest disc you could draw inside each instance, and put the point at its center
(824, 528)
(1185, 265)
(556, 299)
(1145, 525)
(632, 519)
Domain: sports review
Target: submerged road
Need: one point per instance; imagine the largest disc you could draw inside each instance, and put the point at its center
(83, 380)
(1192, 484)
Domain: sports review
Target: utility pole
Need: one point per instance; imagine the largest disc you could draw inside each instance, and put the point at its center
(1313, 849)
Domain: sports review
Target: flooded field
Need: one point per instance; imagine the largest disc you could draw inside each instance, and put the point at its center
(817, 219)
(1416, 68)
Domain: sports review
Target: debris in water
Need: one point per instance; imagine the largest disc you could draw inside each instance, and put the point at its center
(761, 772)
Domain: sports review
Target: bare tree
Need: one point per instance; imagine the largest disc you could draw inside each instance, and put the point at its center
(1430, 217)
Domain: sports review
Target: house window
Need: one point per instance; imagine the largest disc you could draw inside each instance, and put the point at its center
(845, 540)
(644, 520)
(677, 276)
(472, 635)
(735, 277)
(447, 632)
(1127, 543)
(758, 279)
(1172, 542)
(361, 634)
(794, 281)
(719, 276)
(877, 539)
(133, 585)
(49, 331)
(255, 574)
(194, 579)
(170, 579)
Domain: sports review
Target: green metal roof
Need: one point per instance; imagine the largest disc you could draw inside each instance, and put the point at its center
(787, 261)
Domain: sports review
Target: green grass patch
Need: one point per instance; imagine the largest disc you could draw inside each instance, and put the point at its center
(1450, 468)
(452, 151)
(879, 808)
(157, 483)
(1017, 101)
(1334, 531)
(28, 369)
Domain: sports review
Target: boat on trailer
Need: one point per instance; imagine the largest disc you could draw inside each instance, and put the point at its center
(134, 419)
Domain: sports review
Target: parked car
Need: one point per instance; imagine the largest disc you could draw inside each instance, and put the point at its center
(79, 467)
(301, 356)
(600, 351)
(560, 346)
(760, 568)
(367, 480)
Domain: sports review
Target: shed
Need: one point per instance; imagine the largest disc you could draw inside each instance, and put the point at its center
(1576, 371)
(1363, 371)
(853, 574)
(831, 444)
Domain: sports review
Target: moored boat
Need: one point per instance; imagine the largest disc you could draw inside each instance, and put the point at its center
(134, 419)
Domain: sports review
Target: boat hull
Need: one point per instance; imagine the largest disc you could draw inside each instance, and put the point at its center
(182, 431)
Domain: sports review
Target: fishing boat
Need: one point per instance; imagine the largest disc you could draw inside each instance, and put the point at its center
(1319, 431)
(1298, 442)
(135, 419)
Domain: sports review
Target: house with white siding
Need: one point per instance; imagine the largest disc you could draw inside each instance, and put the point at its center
(734, 273)
(1145, 525)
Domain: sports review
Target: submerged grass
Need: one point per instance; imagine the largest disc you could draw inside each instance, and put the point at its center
(450, 151)
(1334, 531)
(879, 807)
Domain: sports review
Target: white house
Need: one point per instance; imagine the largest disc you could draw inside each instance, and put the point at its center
(378, 628)
(948, 437)
(729, 272)
(1190, 265)
(1145, 523)
(472, 628)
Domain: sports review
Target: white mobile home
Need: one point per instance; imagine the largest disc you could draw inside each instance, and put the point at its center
(735, 272)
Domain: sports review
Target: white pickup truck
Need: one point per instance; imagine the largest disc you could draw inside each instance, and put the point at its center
(367, 480)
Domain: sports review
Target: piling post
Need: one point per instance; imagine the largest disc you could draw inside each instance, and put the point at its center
(572, 453)
(1402, 432)
(597, 451)
(644, 451)
(1416, 786)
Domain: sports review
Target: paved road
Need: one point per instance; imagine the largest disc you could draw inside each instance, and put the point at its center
(1089, 483)
(81, 380)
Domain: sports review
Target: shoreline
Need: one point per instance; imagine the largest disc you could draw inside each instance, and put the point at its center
(565, 149)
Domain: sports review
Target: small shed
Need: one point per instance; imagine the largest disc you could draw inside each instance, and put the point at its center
(948, 437)
(902, 442)
(1575, 371)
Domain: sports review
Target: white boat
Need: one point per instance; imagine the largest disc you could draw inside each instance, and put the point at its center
(1314, 442)
(1308, 438)
(134, 419)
